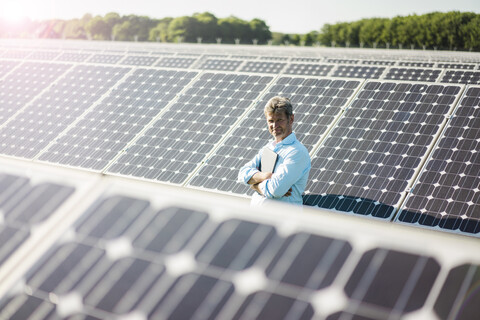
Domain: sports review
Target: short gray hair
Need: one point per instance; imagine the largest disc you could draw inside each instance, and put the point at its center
(278, 104)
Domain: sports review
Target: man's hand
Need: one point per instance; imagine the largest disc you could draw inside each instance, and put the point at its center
(257, 189)
(259, 177)
(289, 193)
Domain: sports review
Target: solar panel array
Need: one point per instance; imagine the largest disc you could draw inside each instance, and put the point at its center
(393, 135)
(191, 115)
(142, 251)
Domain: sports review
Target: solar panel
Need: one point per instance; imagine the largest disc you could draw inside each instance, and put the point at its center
(6, 66)
(305, 59)
(416, 64)
(371, 156)
(309, 69)
(139, 60)
(20, 87)
(263, 67)
(413, 74)
(456, 66)
(339, 60)
(460, 76)
(107, 129)
(151, 250)
(273, 58)
(175, 62)
(74, 56)
(178, 141)
(43, 55)
(317, 103)
(23, 209)
(220, 64)
(32, 129)
(364, 72)
(105, 58)
(141, 251)
(15, 54)
(447, 193)
(378, 62)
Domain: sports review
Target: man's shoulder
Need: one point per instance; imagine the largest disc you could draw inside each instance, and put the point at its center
(296, 149)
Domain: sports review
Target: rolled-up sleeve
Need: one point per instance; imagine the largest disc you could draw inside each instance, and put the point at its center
(249, 169)
(293, 168)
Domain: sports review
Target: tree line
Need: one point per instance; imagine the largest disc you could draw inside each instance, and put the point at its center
(444, 31)
(200, 27)
(436, 30)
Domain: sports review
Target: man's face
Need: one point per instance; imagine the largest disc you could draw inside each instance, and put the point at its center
(279, 125)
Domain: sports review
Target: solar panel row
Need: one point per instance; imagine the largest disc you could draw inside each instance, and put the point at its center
(143, 251)
(369, 139)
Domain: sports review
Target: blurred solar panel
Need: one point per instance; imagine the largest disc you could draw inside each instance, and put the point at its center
(309, 69)
(50, 114)
(460, 285)
(220, 64)
(138, 257)
(317, 103)
(105, 58)
(74, 56)
(263, 67)
(180, 139)
(273, 58)
(339, 60)
(175, 62)
(24, 205)
(460, 76)
(416, 64)
(413, 74)
(378, 62)
(43, 55)
(244, 57)
(139, 60)
(15, 54)
(305, 59)
(447, 194)
(456, 66)
(6, 66)
(365, 72)
(410, 279)
(29, 79)
(370, 158)
(106, 130)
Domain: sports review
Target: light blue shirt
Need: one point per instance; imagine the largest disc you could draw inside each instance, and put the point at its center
(291, 171)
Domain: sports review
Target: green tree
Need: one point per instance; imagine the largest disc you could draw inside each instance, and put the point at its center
(74, 29)
(123, 31)
(260, 31)
(205, 27)
(182, 28)
(160, 31)
(98, 29)
(371, 31)
(232, 28)
(310, 38)
(471, 34)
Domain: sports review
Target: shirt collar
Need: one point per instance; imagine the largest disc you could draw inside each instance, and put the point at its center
(288, 140)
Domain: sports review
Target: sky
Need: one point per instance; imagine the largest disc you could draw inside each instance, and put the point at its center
(286, 16)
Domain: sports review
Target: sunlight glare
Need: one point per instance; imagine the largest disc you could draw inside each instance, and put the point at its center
(12, 11)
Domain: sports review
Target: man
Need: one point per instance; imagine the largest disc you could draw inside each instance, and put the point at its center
(289, 179)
